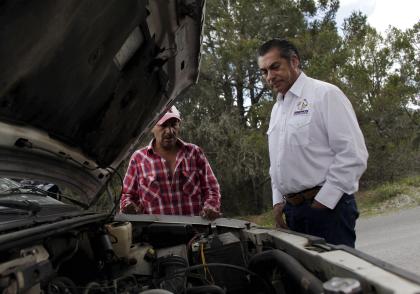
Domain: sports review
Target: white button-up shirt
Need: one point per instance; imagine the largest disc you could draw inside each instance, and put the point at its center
(314, 139)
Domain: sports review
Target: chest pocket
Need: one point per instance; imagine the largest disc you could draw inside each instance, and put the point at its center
(150, 190)
(191, 183)
(298, 130)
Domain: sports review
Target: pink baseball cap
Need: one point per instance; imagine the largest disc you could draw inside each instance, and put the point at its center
(171, 113)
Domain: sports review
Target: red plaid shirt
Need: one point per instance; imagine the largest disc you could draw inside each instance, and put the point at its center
(149, 185)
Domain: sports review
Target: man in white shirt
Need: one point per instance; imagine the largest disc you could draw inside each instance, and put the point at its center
(317, 150)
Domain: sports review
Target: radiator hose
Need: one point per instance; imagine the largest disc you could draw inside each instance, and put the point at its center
(295, 277)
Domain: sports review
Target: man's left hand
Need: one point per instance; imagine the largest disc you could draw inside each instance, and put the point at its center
(318, 205)
(209, 214)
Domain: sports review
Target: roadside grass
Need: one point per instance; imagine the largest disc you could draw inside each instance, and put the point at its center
(390, 197)
(386, 198)
(265, 219)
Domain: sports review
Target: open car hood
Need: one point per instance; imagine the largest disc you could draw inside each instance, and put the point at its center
(81, 81)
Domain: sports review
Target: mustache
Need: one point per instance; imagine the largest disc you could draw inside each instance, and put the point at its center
(168, 136)
(276, 81)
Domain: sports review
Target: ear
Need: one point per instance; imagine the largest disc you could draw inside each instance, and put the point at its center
(153, 130)
(294, 60)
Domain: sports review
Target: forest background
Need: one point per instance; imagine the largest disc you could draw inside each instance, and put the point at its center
(227, 112)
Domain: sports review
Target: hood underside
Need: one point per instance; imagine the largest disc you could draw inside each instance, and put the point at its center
(88, 78)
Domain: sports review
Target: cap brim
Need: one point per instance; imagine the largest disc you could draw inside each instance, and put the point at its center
(166, 117)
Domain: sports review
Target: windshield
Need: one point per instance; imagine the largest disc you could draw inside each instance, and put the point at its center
(43, 193)
(7, 184)
(10, 189)
(22, 201)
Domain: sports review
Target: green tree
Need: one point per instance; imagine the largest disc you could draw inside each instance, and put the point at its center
(379, 77)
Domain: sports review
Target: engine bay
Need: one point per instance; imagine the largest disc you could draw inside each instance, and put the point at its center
(93, 253)
(126, 257)
(120, 258)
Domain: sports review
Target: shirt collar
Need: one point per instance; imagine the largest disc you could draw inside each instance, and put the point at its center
(150, 146)
(280, 97)
(297, 86)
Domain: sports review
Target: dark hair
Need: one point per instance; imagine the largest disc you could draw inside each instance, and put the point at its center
(285, 47)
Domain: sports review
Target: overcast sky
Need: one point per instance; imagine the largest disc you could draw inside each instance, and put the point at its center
(402, 14)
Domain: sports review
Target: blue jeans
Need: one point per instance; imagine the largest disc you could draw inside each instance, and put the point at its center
(336, 225)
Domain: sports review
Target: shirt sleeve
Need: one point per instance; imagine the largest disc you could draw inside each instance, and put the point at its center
(209, 184)
(347, 142)
(130, 193)
(277, 196)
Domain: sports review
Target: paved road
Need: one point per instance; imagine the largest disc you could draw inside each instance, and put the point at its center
(394, 238)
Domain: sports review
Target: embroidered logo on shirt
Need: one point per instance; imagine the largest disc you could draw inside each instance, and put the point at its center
(302, 107)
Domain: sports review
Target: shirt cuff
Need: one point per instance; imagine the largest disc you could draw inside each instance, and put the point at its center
(124, 202)
(209, 206)
(329, 195)
(127, 202)
(277, 196)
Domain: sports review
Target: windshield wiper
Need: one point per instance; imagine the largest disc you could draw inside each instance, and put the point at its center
(33, 190)
(27, 205)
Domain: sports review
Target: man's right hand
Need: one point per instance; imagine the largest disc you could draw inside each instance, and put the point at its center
(278, 216)
(209, 214)
(130, 209)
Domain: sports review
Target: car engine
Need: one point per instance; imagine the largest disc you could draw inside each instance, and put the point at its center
(123, 257)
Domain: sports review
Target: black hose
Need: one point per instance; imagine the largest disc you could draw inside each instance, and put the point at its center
(293, 273)
(166, 267)
(267, 285)
(208, 289)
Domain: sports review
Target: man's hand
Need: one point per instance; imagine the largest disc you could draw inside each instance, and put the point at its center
(209, 214)
(278, 216)
(131, 208)
(317, 205)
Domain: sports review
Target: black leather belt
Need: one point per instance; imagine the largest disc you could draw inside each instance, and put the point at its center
(299, 197)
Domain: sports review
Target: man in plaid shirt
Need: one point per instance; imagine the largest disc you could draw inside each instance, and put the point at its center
(170, 176)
